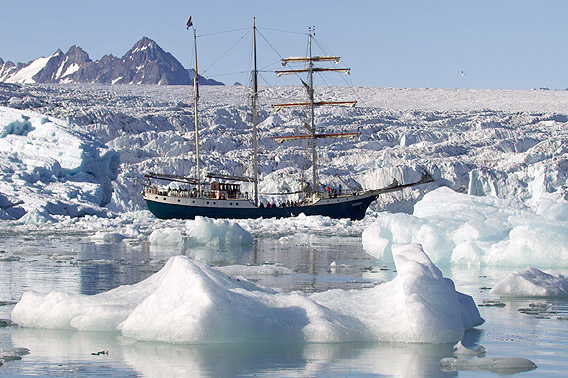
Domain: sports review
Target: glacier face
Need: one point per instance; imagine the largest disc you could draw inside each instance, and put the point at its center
(507, 144)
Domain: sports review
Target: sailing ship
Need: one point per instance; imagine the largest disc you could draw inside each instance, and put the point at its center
(225, 199)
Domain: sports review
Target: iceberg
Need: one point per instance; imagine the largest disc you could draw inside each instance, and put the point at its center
(189, 302)
(475, 231)
(532, 282)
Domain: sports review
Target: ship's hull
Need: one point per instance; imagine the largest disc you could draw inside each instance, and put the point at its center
(165, 207)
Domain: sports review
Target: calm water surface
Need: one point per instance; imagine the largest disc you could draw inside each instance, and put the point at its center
(74, 264)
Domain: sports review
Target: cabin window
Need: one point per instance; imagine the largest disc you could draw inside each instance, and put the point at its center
(208, 202)
(179, 200)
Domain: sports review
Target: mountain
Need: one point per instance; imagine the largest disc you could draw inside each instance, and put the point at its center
(145, 63)
(202, 80)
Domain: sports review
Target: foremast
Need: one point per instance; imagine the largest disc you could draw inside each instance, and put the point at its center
(312, 104)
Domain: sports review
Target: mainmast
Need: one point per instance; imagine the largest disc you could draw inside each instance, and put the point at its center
(254, 98)
(195, 118)
(311, 127)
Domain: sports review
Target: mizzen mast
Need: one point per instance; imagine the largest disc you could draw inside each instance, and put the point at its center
(311, 103)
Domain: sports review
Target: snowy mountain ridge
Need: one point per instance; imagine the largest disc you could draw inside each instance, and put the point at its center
(145, 63)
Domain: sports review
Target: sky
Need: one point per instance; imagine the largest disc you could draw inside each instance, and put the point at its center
(501, 44)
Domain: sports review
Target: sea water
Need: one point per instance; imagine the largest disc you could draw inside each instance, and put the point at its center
(74, 263)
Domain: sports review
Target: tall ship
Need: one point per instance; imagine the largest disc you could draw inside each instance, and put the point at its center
(220, 196)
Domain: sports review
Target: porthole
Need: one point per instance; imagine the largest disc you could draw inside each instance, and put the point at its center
(179, 200)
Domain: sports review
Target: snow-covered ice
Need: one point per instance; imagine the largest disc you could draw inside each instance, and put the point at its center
(189, 302)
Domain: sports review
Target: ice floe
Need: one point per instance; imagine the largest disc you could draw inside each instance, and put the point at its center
(500, 365)
(466, 360)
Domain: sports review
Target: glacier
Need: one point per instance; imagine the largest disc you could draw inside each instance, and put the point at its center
(504, 144)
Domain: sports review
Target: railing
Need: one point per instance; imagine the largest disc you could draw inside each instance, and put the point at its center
(184, 193)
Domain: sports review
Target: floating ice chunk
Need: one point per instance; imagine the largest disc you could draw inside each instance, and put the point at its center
(532, 282)
(507, 365)
(248, 270)
(189, 302)
(461, 351)
(166, 236)
(107, 237)
(12, 354)
(203, 230)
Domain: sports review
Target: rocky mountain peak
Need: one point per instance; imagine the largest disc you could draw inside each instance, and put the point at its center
(145, 63)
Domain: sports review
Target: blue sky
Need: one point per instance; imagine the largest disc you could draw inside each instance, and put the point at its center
(509, 44)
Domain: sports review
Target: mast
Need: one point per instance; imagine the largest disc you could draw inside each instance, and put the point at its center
(195, 100)
(310, 89)
(311, 103)
(254, 98)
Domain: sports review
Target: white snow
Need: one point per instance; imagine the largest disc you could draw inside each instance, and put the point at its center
(70, 70)
(60, 69)
(26, 74)
(188, 302)
(532, 282)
